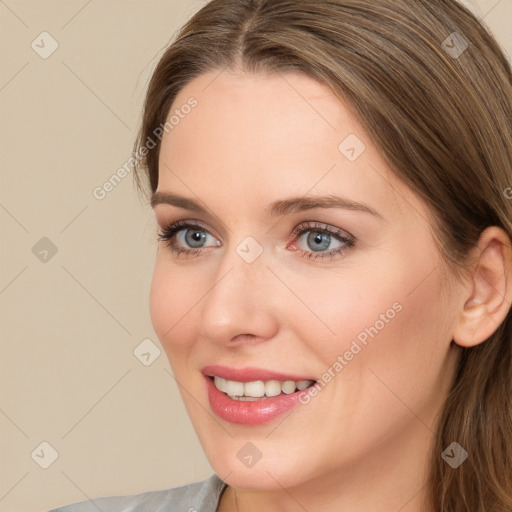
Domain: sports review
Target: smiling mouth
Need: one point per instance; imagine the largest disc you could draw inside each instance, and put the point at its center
(259, 389)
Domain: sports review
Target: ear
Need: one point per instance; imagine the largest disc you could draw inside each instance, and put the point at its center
(491, 289)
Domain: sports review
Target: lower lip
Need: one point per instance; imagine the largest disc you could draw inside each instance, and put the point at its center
(251, 412)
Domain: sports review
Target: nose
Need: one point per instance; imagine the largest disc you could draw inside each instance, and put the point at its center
(241, 304)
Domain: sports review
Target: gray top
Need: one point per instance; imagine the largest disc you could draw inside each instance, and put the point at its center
(201, 496)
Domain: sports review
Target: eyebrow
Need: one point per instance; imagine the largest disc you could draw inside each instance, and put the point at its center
(280, 207)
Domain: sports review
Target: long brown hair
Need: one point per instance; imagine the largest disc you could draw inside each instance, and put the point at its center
(434, 91)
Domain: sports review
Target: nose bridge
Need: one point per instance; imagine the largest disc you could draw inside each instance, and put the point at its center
(237, 301)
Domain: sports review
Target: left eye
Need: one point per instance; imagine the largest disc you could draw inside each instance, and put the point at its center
(320, 238)
(187, 238)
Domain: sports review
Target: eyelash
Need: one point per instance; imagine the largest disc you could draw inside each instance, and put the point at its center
(167, 234)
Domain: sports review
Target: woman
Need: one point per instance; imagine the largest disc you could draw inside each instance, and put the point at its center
(333, 285)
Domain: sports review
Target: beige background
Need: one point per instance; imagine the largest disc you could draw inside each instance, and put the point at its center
(68, 373)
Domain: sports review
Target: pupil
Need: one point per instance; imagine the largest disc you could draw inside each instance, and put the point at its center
(194, 237)
(321, 240)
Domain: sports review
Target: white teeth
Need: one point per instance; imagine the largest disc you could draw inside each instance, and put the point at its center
(273, 388)
(288, 386)
(220, 383)
(303, 384)
(249, 391)
(254, 389)
(234, 388)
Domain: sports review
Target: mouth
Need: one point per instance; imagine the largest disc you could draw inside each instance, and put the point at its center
(252, 396)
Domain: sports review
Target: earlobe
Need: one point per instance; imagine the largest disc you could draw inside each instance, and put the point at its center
(491, 284)
(474, 327)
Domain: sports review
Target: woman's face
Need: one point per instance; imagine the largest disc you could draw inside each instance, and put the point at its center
(275, 289)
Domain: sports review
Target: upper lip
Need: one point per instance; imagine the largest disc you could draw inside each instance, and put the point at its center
(249, 374)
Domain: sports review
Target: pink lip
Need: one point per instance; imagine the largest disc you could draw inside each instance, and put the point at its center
(249, 412)
(248, 374)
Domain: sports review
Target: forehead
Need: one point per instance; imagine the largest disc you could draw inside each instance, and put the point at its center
(258, 138)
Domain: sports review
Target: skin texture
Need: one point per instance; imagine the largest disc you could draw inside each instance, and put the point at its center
(362, 443)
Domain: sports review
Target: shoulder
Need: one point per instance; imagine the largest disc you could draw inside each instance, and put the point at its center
(195, 497)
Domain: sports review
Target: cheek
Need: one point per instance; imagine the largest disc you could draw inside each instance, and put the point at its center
(404, 355)
(170, 304)
(392, 319)
(157, 301)
(341, 308)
